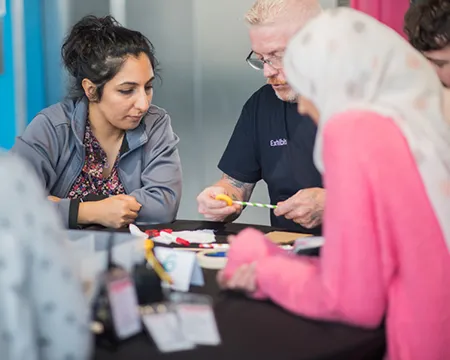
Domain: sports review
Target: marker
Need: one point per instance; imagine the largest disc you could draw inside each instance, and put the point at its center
(182, 241)
(217, 254)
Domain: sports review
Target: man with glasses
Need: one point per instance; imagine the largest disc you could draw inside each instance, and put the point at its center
(271, 141)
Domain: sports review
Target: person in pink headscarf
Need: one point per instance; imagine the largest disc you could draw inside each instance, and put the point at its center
(384, 149)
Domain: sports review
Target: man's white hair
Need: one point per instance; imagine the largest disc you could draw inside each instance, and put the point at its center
(264, 12)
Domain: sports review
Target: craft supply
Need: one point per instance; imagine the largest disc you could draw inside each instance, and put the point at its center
(230, 202)
(163, 325)
(246, 203)
(153, 261)
(196, 236)
(225, 198)
(134, 230)
(168, 236)
(183, 242)
(182, 267)
(309, 243)
(214, 246)
(217, 254)
(196, 316)
(284, 237)
(212, 259)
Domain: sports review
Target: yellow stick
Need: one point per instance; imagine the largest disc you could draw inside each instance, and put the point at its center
(153, 261)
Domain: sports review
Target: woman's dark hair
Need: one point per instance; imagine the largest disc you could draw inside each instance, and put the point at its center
(427, 24)
(96, 48)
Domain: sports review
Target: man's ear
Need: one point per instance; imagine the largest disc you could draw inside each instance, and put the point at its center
(90, 89)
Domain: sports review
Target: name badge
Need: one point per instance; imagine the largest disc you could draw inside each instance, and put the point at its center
(124, 304)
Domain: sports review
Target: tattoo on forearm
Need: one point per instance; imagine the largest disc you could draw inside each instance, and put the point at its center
(236, 183)
(245, 188)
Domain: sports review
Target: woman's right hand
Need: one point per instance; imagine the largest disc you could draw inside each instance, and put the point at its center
(114, 212)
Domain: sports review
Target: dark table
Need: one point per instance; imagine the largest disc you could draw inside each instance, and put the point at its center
(255, 329)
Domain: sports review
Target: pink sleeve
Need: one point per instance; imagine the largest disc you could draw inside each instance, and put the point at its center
(346, 282)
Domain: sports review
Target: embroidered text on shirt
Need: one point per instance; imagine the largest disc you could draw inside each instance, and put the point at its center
(279, 142)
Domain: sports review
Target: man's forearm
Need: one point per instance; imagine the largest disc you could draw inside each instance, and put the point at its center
(237, 190)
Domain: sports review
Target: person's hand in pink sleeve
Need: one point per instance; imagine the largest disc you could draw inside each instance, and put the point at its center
(246, 249)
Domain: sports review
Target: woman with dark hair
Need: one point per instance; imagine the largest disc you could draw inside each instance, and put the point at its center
(106, 155)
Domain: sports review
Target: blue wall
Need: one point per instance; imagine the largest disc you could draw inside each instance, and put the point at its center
(34, 58)
(34, 70)
(7, 121)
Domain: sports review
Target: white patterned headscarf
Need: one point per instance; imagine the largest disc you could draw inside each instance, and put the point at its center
(344, 59)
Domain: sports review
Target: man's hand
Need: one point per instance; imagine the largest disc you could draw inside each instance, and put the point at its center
(53, 198)
(304, 208)
(212, 209)
(216, 210)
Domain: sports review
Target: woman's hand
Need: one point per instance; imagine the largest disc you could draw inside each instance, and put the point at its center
(114, 212)
(53, 198)
(243, 279)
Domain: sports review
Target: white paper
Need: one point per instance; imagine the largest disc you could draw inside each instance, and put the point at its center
(165, 330)
(199, 323)
(197, 275)
(197, 236)
(180, 265)
(194, 237)
(134, 230)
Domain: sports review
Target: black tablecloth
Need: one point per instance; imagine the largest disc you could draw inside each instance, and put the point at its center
(257, 330)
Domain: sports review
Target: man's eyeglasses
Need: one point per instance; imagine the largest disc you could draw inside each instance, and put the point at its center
(257, 63)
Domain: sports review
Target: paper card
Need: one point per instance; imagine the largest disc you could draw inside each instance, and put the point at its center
(182, 266)
(166, 332)
(124, 307)
(309, 243)
(283, 237)
(197, 275)
(198, 323)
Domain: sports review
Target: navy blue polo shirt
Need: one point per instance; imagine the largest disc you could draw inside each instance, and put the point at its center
(274, 143)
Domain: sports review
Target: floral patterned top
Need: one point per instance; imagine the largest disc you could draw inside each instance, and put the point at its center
(91, 181)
